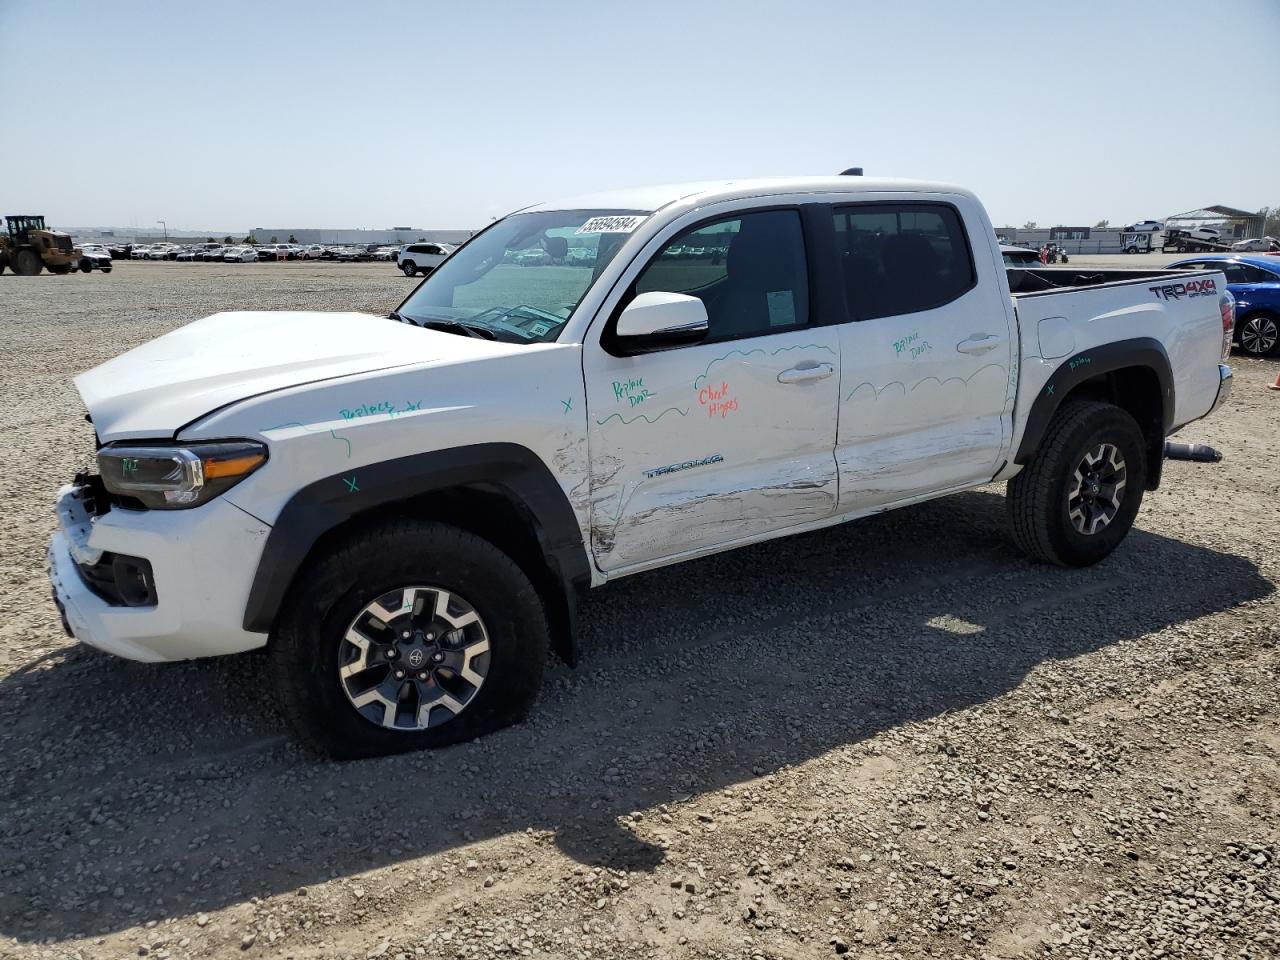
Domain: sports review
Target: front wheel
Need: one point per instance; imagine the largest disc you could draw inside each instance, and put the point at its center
(1259, 334)
(1077, 498)
(409, 269)
(27, 263)
(411, 635)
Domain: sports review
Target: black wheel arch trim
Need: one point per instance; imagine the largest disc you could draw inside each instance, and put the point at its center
(1076, 369)
(506, 469)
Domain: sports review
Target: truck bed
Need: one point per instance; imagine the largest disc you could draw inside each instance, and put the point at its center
(1066, 313)
(1025, 281)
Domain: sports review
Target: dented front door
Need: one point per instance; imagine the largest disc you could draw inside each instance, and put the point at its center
(700, 446)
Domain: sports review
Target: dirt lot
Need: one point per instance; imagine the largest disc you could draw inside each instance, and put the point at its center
(892, 739)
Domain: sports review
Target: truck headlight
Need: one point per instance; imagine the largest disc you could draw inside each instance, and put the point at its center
(176, 477)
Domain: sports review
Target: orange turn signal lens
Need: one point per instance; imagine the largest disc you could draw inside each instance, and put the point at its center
(232, 466)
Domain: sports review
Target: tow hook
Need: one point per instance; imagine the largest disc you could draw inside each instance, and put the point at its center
(1195, 452)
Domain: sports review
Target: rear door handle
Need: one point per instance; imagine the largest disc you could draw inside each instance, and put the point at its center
(979, 343)
(817, 371)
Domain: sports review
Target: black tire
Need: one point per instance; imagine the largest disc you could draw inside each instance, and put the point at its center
(1039, 497)
(409, 268)
(1259, 333)
(308, 641)
(106, 269)
(27, 263)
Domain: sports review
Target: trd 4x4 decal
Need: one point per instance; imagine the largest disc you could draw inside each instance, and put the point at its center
(1191, 288)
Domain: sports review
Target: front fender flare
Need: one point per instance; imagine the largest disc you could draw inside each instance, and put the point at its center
(506, 468)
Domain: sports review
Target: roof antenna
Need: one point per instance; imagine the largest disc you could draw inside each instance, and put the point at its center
(851, 172)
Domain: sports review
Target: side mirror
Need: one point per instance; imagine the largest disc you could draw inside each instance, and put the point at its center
(656, 320)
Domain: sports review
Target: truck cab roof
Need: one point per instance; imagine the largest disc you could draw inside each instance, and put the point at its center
(698, 192)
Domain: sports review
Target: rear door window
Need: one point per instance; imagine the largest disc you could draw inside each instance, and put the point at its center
(899, 258)
(1256, 275)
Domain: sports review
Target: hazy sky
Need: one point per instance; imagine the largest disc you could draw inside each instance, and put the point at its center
(229, 115)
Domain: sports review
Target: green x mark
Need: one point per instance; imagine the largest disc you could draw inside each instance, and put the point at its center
(351, 485)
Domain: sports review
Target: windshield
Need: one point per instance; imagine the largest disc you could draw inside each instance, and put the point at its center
(522, 278)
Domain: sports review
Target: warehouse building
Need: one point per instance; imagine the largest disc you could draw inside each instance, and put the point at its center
(1233, 223)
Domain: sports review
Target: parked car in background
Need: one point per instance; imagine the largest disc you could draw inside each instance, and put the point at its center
(415, 258)
(139, 251)
(240, 255)
(214, 253)
(312, 252)
(120, 251)
(188, 255)
(1255, 283)
(1019, 256)
(98, 257)
(1257, 245)
(161, 252)
(1144, 226)
(276, 251)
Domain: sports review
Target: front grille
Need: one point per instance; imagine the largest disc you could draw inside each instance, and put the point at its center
(63, 244)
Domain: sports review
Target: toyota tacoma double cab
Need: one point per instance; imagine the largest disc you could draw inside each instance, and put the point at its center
(402, 510)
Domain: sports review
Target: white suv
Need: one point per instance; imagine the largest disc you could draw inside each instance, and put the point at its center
(415, 258)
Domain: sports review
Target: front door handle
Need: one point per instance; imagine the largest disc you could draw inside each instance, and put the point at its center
(817, 371)
(979, 343)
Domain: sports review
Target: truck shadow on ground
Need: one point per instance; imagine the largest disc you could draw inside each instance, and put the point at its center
(154, 792)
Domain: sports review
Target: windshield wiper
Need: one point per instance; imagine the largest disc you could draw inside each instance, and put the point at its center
(455, 326)
(397, 315)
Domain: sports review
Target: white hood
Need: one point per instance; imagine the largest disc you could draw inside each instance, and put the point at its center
(155, 389)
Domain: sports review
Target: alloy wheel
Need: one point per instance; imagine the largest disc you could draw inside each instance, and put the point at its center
(1097, 489)
(414, 658)
(1259, 335)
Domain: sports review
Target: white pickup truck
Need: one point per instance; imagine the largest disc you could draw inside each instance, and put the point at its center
(403, 509)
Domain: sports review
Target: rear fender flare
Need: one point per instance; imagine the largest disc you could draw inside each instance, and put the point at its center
(1085, 365)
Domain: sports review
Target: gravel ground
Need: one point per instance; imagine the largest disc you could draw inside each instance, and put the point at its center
(892, 739)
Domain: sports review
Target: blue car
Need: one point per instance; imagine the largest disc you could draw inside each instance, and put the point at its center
(1255, 283)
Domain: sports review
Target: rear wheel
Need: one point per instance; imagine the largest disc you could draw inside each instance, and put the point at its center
(1259, 334)
(412, 635)
(27, 263)
(409, 268)
(1077, 498)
